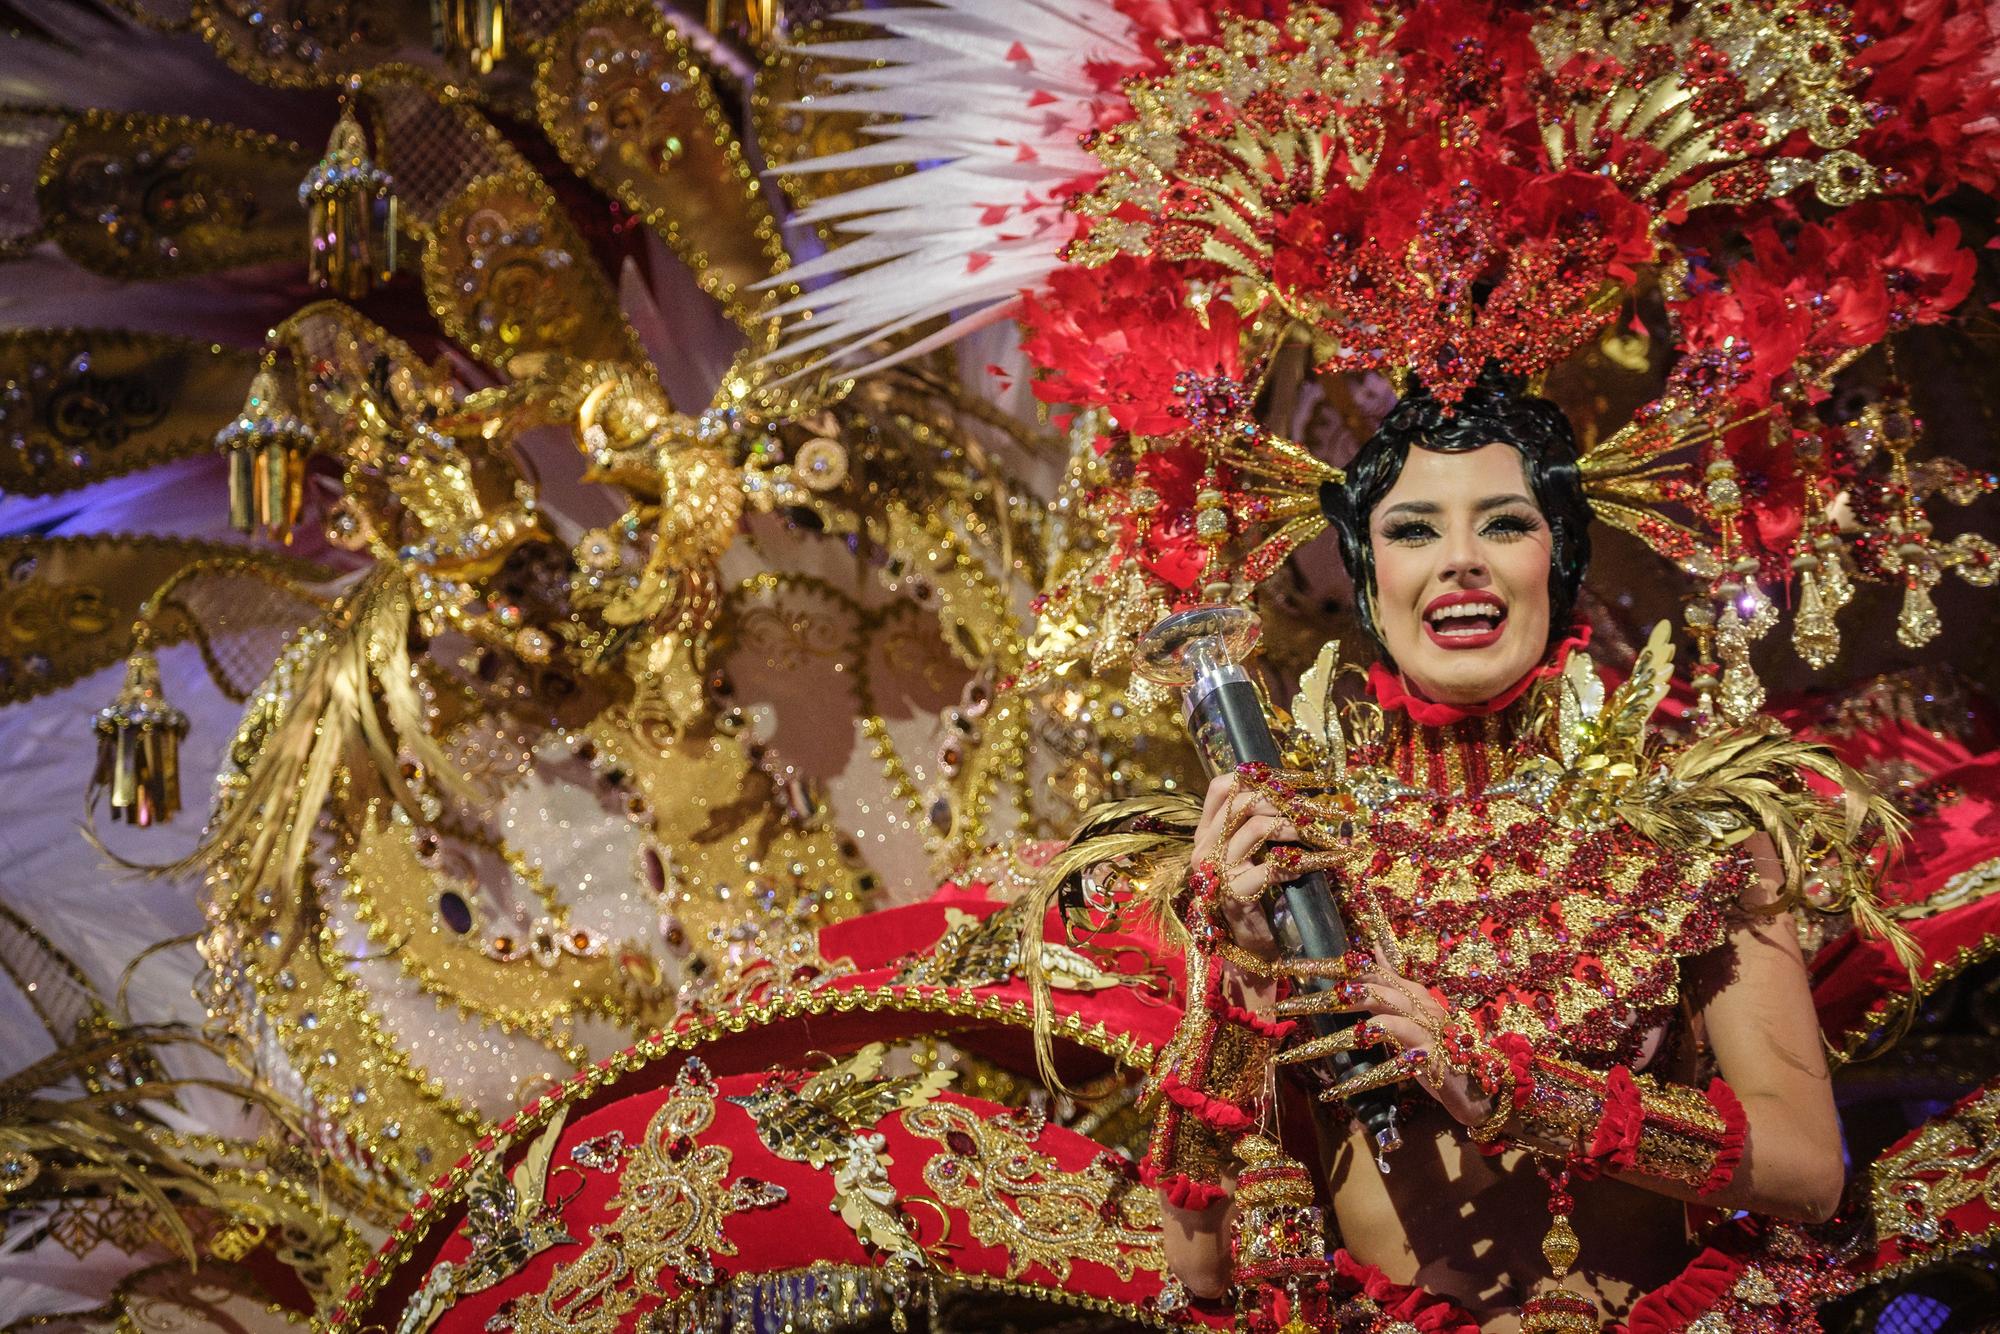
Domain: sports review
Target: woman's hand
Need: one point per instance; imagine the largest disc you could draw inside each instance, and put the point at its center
(1408, 1019)
(1235, 827)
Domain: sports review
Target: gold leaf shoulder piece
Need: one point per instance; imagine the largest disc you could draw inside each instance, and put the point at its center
(1314, 716)
(1730, 786)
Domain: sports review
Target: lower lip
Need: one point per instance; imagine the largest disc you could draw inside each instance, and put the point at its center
(1484, 639)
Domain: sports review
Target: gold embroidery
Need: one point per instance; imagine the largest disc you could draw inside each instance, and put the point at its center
(1016, 1197)
(984, 951)
(1952, 1161)
(673, 1198)
(509, 1221)
(829, 1120)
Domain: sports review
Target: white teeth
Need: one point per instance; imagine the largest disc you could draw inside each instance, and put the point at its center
(1461, 609)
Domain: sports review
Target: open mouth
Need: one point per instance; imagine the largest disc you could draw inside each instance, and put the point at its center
(1465, 620)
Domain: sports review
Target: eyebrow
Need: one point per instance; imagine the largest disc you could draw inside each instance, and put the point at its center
(1431, 507)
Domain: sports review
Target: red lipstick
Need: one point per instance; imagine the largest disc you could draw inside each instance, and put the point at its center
(1458, 631)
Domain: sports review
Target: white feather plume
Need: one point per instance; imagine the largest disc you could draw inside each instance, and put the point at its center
(989, 99)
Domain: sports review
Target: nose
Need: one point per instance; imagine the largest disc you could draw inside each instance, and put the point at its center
(1463, 561)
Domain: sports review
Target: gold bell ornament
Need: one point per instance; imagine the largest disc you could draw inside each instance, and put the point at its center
(139, 744)
(351, 221)
(267, 447)
(1278, 1243)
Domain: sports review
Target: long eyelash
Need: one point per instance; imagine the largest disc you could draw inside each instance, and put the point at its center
(1513, 525)
(1409, 531)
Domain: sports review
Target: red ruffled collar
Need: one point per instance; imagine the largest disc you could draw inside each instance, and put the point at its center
(1390, 692)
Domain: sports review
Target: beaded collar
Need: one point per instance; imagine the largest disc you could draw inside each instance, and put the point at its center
(1457, 748)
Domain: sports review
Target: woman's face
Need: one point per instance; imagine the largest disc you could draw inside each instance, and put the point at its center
(1462, 573)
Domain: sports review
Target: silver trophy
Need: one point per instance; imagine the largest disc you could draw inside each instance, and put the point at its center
(1201, 651)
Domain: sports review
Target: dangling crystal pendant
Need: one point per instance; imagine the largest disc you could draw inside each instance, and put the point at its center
(1559, 1245)
(1919, 623)
(267, 448)
(138, 746)
(1814, 634)
(351, 220)
(1742, 694)
(763, 21)
(1835, 586)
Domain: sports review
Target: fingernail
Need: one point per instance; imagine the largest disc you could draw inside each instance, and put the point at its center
(1353, 991)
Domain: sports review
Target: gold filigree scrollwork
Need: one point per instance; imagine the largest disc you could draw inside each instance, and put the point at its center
(986, 951)
(674, 1195)
(535, 979)
(829, 1120)
(1953, 1161)
(633, 108)
(509, 1219)
(80, 405)
(141, 196)
(311, 43)
(506, 274)
(1021, 1200)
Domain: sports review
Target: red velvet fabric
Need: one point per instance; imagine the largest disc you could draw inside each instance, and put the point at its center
(1857, 980)
(806, 1227)
(1430, 1313)
(1693, 1293)
(1975, 1218)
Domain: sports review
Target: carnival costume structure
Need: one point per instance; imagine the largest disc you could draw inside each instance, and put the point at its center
(655, 534)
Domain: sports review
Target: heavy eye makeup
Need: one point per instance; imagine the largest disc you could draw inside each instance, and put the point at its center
(1503, 527)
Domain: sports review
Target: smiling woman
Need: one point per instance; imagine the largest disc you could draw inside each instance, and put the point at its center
(1558, 986)
(1460, 558)
(1466, 531)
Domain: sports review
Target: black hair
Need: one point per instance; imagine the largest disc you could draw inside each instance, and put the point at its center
(1496, 410)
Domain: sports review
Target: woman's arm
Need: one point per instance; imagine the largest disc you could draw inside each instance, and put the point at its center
(1196, 1241)
(1766, 1037)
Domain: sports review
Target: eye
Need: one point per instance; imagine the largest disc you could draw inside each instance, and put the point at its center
(1409, 531)
(1511, 525)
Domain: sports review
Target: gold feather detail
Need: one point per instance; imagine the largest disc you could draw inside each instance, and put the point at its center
(1155, 860)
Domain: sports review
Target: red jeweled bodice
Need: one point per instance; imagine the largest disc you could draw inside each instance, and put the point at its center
(1547, 924)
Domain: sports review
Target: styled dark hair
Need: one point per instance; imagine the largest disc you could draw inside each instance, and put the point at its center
(1496, 410)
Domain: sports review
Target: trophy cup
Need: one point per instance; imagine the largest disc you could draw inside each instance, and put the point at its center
(1201, 651)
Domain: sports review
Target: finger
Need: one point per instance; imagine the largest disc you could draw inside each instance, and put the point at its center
(1248, 836)
(1251, 835)
(1345, 968)
(1350, 997)
(1314, 1002)
(1215, 797)
(1363, 1034)
(1397, 995)
(1248, 885)
(1378, 1076)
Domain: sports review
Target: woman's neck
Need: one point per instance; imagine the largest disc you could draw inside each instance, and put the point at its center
(1458, 747)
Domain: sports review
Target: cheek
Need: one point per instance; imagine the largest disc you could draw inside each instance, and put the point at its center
(1396, 570)
(1527, 565)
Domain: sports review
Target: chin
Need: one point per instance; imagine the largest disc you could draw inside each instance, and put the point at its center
(1467, 676)
(1465, 682)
